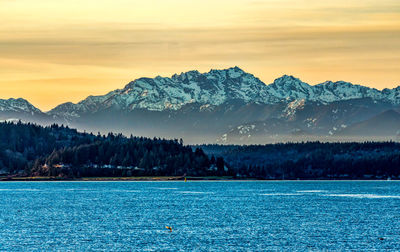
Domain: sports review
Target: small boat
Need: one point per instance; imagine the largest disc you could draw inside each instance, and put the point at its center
(169, 228)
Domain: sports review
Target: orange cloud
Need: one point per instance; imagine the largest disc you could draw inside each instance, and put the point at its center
(57, 51)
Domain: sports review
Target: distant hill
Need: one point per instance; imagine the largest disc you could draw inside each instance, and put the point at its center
(384, 124)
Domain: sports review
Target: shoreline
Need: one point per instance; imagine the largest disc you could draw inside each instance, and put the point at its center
(169, 178)
(144, 178)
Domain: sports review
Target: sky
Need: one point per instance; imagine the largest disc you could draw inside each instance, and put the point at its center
(54, 51)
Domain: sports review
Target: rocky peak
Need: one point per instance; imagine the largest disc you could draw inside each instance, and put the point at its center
(217, 87)
(18, 105)
(289, 87)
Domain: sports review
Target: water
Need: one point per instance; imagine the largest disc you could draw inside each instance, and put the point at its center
(128, 216)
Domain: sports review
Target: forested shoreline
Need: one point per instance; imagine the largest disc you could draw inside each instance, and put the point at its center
(312, 160)
(58, 151)
(62, 152)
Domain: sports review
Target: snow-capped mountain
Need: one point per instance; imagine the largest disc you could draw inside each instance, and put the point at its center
(336, 91)
(215, 88)
(17, 105)
(392, 95)
(20, 109)
(162, 93)
(204, 106)
(289, 87)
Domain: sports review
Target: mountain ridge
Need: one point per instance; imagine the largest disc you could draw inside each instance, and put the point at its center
(218, 86)
(285, 87)
(18, 105)
(205, 106)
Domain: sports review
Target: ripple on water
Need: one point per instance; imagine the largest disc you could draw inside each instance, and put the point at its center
(312, 191)
(21, 190)
(193, 192)
(281, 194)
(128, 191)
(364, 196)
(235, 216)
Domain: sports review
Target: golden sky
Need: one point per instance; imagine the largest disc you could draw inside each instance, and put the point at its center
(53, 51)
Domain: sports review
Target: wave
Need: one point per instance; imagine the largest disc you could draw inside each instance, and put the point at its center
(311, 191)
(77, 189)
(21, 190)
(116, 190)
(364, 196)
(281, 194)
(192, 192)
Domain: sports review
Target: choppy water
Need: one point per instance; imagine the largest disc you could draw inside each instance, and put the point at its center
(218, 216)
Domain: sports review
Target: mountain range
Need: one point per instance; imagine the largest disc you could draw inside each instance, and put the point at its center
(228, 106)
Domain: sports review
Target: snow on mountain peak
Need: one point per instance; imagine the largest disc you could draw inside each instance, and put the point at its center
(160, 93)
(17, 105)
(290, 87)
(333, 91)
(286, 78)
(392, 95)
(214, 88)
(217, 87)
(235, 72)
(185, 77)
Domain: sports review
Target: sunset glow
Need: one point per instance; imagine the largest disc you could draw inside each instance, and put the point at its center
(58, 51)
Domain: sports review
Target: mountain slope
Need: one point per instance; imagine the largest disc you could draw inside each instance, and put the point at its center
(20, 109)
(17, 105)
(383, 124)
(203, 106)
(305, 120)
(215, 88)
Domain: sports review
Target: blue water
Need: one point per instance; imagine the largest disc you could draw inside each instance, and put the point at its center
(127, 216)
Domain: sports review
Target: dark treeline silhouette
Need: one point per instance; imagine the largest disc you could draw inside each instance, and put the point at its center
(30, 149)
(312, 160)
(21, 144)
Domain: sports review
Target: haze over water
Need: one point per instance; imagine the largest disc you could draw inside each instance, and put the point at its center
(126, 216)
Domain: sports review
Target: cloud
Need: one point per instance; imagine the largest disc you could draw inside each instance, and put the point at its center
(71, 42)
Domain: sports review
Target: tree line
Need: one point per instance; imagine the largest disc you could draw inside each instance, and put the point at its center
(312, 160)
(57, 150)
(60, 151)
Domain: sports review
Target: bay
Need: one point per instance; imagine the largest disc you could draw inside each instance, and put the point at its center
(204, 216)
